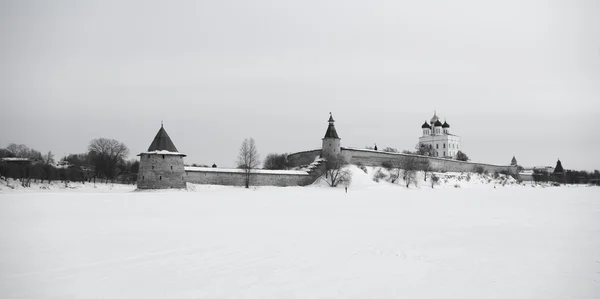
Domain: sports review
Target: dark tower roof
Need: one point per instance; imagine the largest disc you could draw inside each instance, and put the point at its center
(445, 125)
(513, 161)
(558, 168)
(162, 142)
(438, 123)
(425, 126)
(331, 132)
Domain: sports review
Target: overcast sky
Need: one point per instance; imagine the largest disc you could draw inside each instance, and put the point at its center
(511, 77)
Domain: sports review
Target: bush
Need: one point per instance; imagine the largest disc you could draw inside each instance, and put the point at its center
(276, 161)
(387, 165)
(478, 169)
(379, 175)
(362, 167)
(461, 156)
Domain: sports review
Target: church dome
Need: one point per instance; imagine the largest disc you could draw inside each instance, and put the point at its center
(438, 123)
(434, 119)
(426, 126)
(445, 125)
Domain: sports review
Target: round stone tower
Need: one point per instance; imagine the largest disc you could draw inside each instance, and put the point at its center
(331, 141)
(161, 167)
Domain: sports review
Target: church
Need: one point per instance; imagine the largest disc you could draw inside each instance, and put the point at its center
(437, 137)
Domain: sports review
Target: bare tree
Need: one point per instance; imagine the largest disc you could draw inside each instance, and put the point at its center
(423, 149)
(410, 166)
(22, 151)
(276, 161)
(108, 153)
(48, 158)
(390, 150)
(425, 166)
(434, 180)
(248, 159)
(335, 172)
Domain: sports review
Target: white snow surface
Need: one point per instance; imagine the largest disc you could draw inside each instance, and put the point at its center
(379, 240)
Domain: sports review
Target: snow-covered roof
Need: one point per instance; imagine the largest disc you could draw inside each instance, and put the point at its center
(15, 159)
(163, 152)
(237, 170)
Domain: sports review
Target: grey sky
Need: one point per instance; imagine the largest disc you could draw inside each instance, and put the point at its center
(511, 77)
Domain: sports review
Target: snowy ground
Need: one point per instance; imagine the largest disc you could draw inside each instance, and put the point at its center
(378, 241)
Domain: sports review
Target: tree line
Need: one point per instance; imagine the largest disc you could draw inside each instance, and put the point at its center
(105, 161)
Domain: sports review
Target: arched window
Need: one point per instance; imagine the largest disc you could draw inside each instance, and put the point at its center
(160, 178)
(163, 156)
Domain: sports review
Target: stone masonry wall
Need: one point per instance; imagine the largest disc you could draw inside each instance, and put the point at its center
(161, 172)
(303, 158)
(375, 158)
(211, 176)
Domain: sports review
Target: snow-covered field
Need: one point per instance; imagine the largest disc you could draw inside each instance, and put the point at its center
(376, 241)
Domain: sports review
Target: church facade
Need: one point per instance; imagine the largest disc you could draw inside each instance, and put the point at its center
(437, 137)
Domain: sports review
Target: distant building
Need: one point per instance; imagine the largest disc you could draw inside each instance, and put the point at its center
(331, 141)
(559, 173)
(437, 137)
(12, 160)
(513, 162)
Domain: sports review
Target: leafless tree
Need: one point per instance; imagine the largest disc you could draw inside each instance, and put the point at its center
(434, 180)
(410, 166)
(423, 149)
(248, 159)
(107, 153)
(22, 151)
(390, 150)
(276, 161)
(48, 158)
(425, 166)
(335, 172)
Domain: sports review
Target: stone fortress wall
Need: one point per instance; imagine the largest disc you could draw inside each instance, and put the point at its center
(161, 172)
(376, 158)
(259, 177)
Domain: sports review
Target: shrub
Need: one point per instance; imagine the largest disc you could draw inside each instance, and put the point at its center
(379, 175)
(434, 180)
(478, 169)
(387, 165)
(461, 156)
(362, 167)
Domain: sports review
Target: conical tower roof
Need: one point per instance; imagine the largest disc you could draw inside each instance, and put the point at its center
(513, 161)
(558, 168)
(331, 132)
(162, 142)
